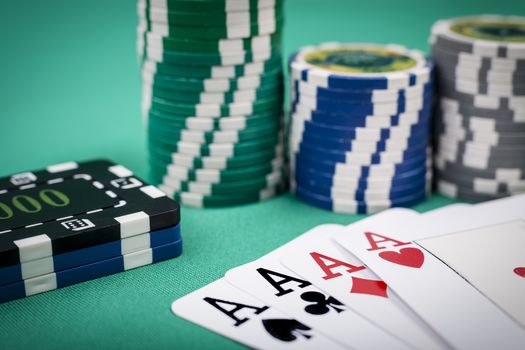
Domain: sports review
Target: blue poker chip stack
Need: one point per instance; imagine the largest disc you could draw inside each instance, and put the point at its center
(480, 66)
(359, 128)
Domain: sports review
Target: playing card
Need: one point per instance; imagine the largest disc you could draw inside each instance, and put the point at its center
(314, 256)
(460, 217)
(490, 258)
(444, 300)
(453, 209)
(277, 286)
(228, 311)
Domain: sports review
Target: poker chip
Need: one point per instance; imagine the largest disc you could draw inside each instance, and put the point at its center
(217, 6)
(78, 257)
(359, 137)
(212, 98)
(345, 204)
(480, 127)
(200, 200)
(484, 36)
(213, 176)
(222, 46)
(211, 72)
(215, 110)
(226, 188)
(207, 31)
(327, 66)
(217, 149)
(101, 268)
(220, 162)
(73, 222)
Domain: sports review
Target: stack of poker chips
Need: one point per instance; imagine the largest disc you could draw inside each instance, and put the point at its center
(213, 98)
(480, 65)
(359, 128)
(74, 222)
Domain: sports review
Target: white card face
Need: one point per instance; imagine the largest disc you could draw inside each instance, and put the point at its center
(277, 286)
(460, 217)
(315, 257)
(492, 259)
(444, 300)
(226, 310)
(449, 209)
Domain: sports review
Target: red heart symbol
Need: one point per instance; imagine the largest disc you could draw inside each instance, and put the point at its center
(520, 271)
(411, 257)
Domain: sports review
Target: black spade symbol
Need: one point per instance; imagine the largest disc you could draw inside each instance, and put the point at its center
(286, 329)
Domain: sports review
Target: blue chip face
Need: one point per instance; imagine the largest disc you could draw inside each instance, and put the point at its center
(393, 194)
(351, 110)
(357, 122)
(418, 136)
(330, 167)
(301, 88)
(336, 82)
(90, 271)
(373, 158)
(324, 130)
(417, 142)
(358, 96)
(383, 108)
(360, 121)
(330, 131)
(326, 179)
(341, 121)
(397, 192)
(360, 207)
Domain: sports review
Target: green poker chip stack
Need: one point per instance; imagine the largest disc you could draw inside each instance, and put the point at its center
(212, 98)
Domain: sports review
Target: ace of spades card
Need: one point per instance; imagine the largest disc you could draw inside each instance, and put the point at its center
(226, 310)
(268, 280)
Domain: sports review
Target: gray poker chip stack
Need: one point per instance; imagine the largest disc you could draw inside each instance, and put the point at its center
(480, 126)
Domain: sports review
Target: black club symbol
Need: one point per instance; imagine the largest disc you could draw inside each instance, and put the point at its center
(322, 303)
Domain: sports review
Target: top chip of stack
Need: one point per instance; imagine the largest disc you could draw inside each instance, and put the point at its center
(359, 132)
(212, 98)
(481, 119)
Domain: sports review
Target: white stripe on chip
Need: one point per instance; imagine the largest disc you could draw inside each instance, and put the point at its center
(57, 168)
(133, 224)
(152, 191)
(120, 171)
(35, 247)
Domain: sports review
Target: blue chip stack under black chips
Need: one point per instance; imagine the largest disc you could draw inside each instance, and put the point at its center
(73, 222)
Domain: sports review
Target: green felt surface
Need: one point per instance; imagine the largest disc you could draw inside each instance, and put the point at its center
(70, 90)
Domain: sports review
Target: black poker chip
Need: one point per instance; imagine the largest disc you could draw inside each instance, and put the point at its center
(71, 206)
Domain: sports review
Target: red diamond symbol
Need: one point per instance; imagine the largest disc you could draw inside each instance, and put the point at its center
(372, 287)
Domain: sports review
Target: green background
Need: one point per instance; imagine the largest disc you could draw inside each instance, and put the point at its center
(70, 90)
